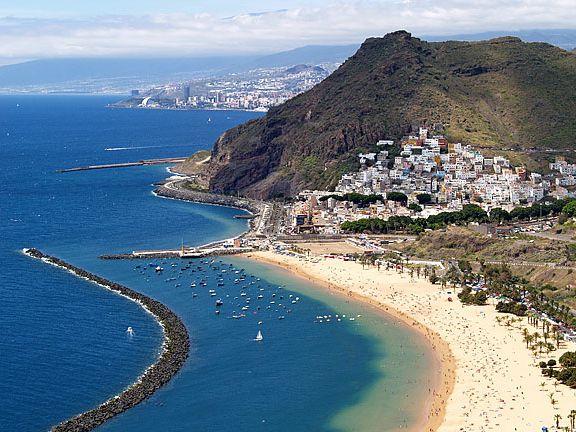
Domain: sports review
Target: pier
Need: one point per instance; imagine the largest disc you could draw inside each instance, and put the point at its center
(127, 164)
(183, 253)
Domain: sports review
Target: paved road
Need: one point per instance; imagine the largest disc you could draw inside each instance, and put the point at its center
(553, 236)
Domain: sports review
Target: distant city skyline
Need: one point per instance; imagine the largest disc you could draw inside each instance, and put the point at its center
(68, 28)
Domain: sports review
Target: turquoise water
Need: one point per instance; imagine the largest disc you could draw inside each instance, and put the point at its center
(64, 346)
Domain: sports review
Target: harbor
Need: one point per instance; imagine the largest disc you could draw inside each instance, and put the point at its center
(215, 249)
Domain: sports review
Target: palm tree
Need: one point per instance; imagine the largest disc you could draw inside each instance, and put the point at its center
(557, 417)
(572, 418)
(558, 338)
(526, 334)
(536, 336)
(528, 338)
(541, 345)
(553, 402)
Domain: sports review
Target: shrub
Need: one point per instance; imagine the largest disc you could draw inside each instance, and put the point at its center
(514, 308)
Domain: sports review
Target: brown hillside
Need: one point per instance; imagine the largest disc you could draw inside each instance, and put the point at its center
(501, 93)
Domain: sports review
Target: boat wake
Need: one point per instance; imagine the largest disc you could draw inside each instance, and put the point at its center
(130, 148)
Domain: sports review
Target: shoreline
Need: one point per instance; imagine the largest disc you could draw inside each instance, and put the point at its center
(444, 379)
(490, 382)
(175, 350)
(112, 106)
(244, 204)
(254, 208)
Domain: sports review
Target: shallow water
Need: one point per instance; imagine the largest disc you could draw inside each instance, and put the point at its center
(64, 341)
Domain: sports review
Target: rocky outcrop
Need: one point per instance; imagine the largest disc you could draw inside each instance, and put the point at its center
(498, 93)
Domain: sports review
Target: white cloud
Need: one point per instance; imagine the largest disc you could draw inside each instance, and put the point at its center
(338, 22)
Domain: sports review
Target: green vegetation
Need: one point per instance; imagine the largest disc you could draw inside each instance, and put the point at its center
(424, 198)
(397, 197)
(466, 243)
(466, 296)
(310, 169)
(570, 209)
(195, 164)
(498, 94)
(500, 281)
(356, 198)
(567, 373)
(517, 309)
(415, 207)
(469, 213)
(537, 210)
(498, 215)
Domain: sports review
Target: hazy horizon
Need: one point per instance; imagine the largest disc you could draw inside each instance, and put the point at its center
(175, 28)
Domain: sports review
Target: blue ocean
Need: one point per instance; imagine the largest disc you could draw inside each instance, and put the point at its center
(63, 342)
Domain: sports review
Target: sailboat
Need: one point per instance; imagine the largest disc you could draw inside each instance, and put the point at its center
(259, 336)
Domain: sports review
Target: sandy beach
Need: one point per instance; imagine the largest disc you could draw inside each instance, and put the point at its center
(489, 380)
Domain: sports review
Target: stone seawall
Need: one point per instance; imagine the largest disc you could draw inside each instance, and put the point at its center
(252, 206)
(175, 353)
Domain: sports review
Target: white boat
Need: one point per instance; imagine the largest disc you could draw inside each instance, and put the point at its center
(130, 331)
(259, 336)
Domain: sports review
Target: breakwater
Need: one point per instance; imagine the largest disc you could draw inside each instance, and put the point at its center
(175, 353)
(126, 164)
(250, 205)
(197, 253)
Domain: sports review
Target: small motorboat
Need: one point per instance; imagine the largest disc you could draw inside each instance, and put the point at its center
(219, 302)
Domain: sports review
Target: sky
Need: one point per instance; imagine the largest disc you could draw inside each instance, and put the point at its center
(31, 29)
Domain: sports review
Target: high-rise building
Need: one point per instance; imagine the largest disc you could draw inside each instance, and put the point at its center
(186, 93)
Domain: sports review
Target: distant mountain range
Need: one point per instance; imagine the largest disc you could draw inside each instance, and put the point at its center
(564, 38)
(501, 94)
(105, 75)
(139, 73)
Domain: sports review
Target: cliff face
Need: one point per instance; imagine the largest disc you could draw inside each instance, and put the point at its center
(497, 93)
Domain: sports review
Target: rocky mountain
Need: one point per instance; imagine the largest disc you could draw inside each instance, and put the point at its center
(500, 94)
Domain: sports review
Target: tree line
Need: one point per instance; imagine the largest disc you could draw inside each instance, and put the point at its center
(469, 213)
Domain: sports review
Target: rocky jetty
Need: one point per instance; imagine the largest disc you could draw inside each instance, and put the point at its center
(175, 353)
(253, 206)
